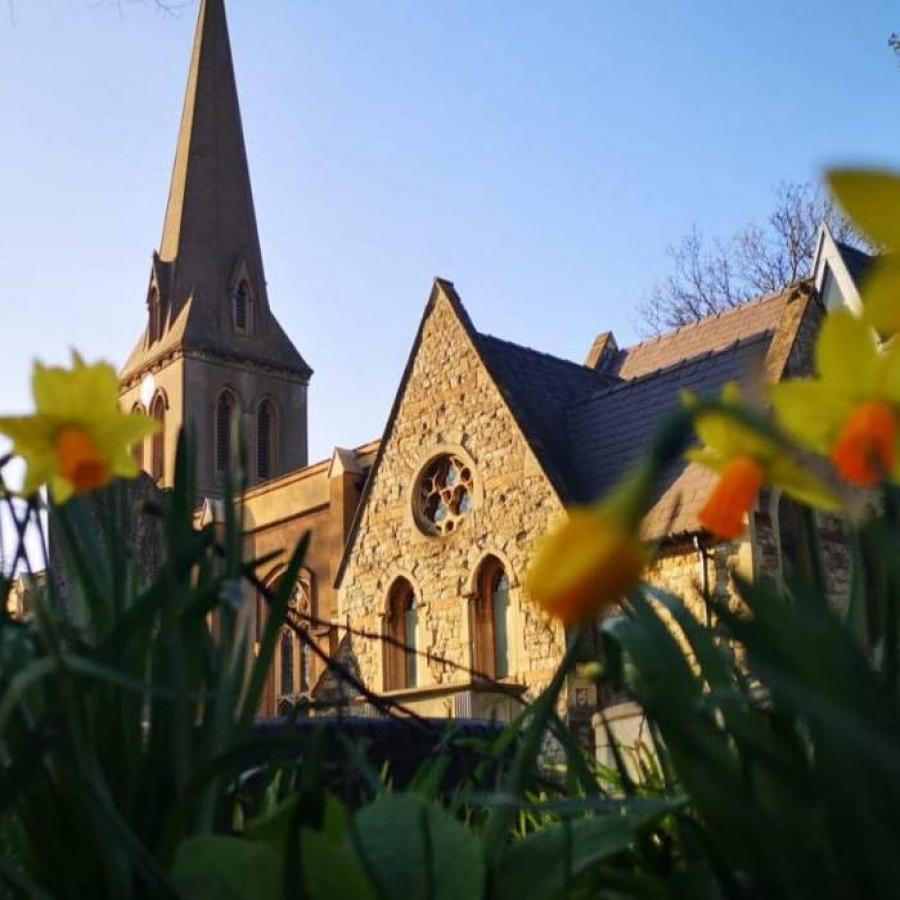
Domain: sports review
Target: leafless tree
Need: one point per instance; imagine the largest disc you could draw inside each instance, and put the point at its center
(709, 277)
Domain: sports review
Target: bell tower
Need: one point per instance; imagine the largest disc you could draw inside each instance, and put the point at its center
(212, 354)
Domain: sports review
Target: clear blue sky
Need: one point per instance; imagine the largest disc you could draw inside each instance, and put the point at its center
(541, 155)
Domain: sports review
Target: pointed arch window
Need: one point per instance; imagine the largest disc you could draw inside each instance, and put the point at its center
(401, 626)
(490, 612)
(243, 306)
(296, 657)
(265, 440)
(137, 449)
(158, 441)
(226, 418)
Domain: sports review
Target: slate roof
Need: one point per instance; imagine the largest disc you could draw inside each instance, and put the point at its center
(587, 427)
(713, 333)
(610, 431)
(539, 389)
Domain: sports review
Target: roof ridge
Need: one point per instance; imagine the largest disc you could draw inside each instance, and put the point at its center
(624, 383)
(740, 307)
(546, 355)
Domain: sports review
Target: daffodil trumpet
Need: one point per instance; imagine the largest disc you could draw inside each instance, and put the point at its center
(78, 439)
(847, 413)
(596, 557)
(747, 452)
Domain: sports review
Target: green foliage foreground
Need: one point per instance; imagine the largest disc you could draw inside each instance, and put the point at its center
(126, 715)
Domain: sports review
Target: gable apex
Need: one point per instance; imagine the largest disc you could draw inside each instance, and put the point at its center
(443, 292)
(343, 462)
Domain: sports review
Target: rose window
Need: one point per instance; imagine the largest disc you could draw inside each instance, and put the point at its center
(444, 495)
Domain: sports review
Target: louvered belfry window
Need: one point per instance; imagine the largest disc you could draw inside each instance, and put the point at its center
(242, 306)
(155, 312)
(225, 414)
(265, 425)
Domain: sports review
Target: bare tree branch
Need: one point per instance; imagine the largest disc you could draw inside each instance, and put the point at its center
(759, 259)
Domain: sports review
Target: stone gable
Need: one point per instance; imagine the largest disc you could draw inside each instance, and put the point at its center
(450, 403)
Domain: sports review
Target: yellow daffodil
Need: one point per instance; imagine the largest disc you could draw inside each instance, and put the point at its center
(594, 558)
(78, 439)
(746, 460)
(872, 199)
(852, 410)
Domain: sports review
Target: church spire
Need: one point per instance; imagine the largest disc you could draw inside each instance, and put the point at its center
(212, 355)
(208, 288)
(210, 224)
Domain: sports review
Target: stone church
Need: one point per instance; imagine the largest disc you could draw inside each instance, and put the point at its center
(424, 533)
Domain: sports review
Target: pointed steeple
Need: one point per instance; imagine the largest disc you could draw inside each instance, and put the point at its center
(210, 201)
(210, 245)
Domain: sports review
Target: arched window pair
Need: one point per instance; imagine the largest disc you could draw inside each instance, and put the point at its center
(157, 442)
(489, 620)
(401, 628)
(227, 410)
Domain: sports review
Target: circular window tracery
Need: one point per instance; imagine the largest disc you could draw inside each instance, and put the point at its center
(444, 495)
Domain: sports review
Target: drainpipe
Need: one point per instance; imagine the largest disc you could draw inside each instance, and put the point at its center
(704, 577)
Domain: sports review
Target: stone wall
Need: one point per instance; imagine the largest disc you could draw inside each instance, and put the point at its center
(682, 565)
(450, 404)
(832, 541)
